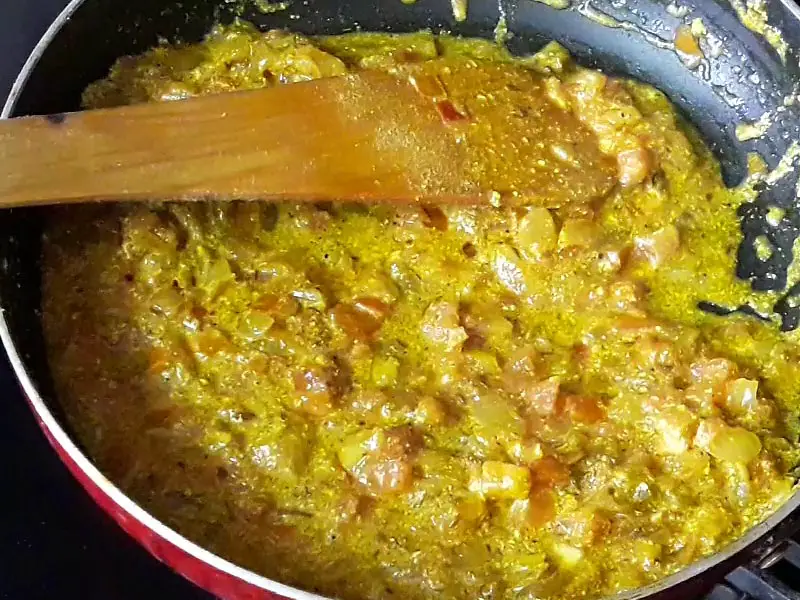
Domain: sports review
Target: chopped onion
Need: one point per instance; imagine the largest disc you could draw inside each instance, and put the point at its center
(429, 86)
(525, 451)
(625, 295)
(741, 396)
(634, 166)
(506, 265)
(472, 510)
(430, 411)
(255, 324)
(610, 261)
(214, 276)
(536, 233)
(541, 508)
(567, 556)
(555, 92)
(440, 325)
(584, 409)
(380, 461)
(384, 371)
(482, 362)
(310, 297)
(552, 58)
(585, 84)
(362, 319)
(706, 431)
(735, 444)
(581, 233)
(497, 479)
(659, 246)
(713, 371)
(495, 422)
(674, 428)
(355, 448)
(209, 342)
(166, 302)
(541, 396)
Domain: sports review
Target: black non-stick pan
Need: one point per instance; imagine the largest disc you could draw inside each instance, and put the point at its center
(743, 77)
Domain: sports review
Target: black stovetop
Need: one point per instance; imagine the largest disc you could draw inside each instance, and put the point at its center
(54, 542)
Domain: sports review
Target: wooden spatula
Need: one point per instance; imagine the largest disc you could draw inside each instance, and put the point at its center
(367, 137)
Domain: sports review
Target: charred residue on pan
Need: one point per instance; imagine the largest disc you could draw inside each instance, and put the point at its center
(56, 119)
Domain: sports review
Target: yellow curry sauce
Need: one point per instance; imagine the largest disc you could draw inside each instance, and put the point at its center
(519, 401)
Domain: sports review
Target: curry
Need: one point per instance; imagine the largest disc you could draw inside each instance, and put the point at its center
(510, 401)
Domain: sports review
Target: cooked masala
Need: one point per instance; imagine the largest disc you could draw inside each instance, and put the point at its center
(511, 401)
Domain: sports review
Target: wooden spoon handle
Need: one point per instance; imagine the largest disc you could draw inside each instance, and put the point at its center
(367, 137)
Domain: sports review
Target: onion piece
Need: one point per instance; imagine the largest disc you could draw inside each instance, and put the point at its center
(384, 371)
(713, 371)
(674, 428)
(440, 325)
(362, 319)
(541, 508)
(541, 396)
(497, 479)
(255, 324)
(567, 556)
(741, 395)
(506, 265)
(429, 86)
(166, 302)
(659, 246)
(536, 233)
(580, 233)
(634, 166)
(706, 431)
(735, 444)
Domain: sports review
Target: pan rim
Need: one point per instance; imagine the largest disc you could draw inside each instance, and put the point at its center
(49, 422)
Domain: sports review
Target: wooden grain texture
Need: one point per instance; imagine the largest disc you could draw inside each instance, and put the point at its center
(365, 137)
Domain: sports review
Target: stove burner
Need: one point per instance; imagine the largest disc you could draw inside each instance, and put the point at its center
(777, 577)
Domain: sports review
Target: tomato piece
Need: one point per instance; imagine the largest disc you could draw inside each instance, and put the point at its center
(362, 319)
(584, 409)
(210, 342)
(449, 112)
(542, 507)
(313, 392)
(548, 473)
(278, 307)
(373, 307)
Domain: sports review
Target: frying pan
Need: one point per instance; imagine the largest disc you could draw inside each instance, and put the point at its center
(745, 79)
